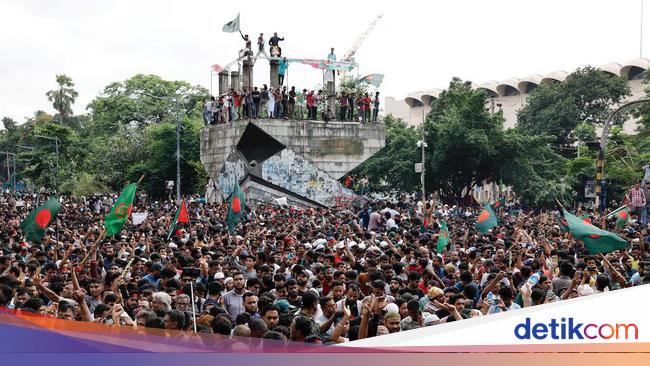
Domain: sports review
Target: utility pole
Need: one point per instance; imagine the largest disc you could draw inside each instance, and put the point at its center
(604, 137)
(423, 145)
(178, 140)
(56, 144)
(424, 192)
(13, 176)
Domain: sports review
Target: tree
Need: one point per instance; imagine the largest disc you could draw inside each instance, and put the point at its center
(587, 95)
(9, 124)
(394, 164)
(42, 163)
(132, 133)
(463, 139)
(128, 104)
(64, 97)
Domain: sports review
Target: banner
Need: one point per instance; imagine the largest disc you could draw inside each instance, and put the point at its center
(138, 217)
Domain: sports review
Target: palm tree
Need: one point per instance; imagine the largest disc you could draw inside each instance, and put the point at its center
(63, 98)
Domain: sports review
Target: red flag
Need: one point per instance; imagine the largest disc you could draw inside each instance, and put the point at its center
(217, 68)
(182, 215)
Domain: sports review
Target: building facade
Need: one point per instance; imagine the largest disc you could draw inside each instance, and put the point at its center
(509, 96)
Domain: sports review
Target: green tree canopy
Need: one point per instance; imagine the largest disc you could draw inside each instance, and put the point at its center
(463, 138)
(394, 164)
(586, 96)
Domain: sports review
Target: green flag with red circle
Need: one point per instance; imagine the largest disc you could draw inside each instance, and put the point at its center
(37, 221)
(499, 204)
(486, 220)
(236, 207)
(181, 216)
(121, 210)
(622, 215)
(596, 240)
(443, 237)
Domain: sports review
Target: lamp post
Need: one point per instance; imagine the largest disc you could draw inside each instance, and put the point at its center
(178, 140)
(56, 144)
(423, 145)
(604, 137)
(13, 158)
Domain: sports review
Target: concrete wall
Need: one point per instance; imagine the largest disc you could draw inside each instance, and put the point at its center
(294, 173)
(335, 147)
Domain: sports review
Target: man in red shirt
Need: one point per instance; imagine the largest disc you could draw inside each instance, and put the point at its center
(366, 107)
(636, 196)
(311, 110)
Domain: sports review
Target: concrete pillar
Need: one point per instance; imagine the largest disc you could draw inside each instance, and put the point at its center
(247, 74)
(224, 77)
(234, 80)
(275, 79)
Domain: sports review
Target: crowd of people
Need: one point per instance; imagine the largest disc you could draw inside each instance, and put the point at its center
(283, 103)
(313, 275)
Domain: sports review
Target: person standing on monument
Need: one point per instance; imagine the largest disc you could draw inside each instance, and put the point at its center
(367, 102)
(260, 47)
(274, 42)
(375, 109)
(248, 48)
(310, 105)
(282, 69)
(285, 103)
(256, 102)
(271, 103)
(277, 94)
(351, 107)
(264, 99)
(362, 108)
(343, 103)
(292, 102)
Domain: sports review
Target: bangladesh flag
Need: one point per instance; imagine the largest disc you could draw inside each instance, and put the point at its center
(499, 204)
(563, 224)
(373, 79)
(236, 206)
(595, 239)
(486, 220)
(181, 216)
(121, 210)
(38, 220)
(622, 215)
(443, 237)
(585, 217)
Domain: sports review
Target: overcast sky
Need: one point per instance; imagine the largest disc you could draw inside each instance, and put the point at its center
(418, 45)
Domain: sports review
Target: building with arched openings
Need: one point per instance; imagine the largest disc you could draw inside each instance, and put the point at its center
(508, 96)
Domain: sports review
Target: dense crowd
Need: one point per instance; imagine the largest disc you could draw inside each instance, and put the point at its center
(308, 275)
(280, 103)
(252, 102)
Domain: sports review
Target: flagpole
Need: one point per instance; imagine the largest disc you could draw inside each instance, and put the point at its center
(193, 303)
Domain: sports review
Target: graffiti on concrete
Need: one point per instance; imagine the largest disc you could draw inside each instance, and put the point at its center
(293, 172)
(233, 172)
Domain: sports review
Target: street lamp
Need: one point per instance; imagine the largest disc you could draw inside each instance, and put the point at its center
(422, 144)
(13, 155)
(178, 140)
(56, 144)
(604, 137)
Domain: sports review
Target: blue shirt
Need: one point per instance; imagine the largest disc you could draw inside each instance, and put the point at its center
(283, 67)
(151, 279)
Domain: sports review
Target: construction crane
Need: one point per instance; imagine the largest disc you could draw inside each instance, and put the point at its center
(349, 56)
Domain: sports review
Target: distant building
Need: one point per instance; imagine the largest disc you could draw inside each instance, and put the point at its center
(510, 95)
